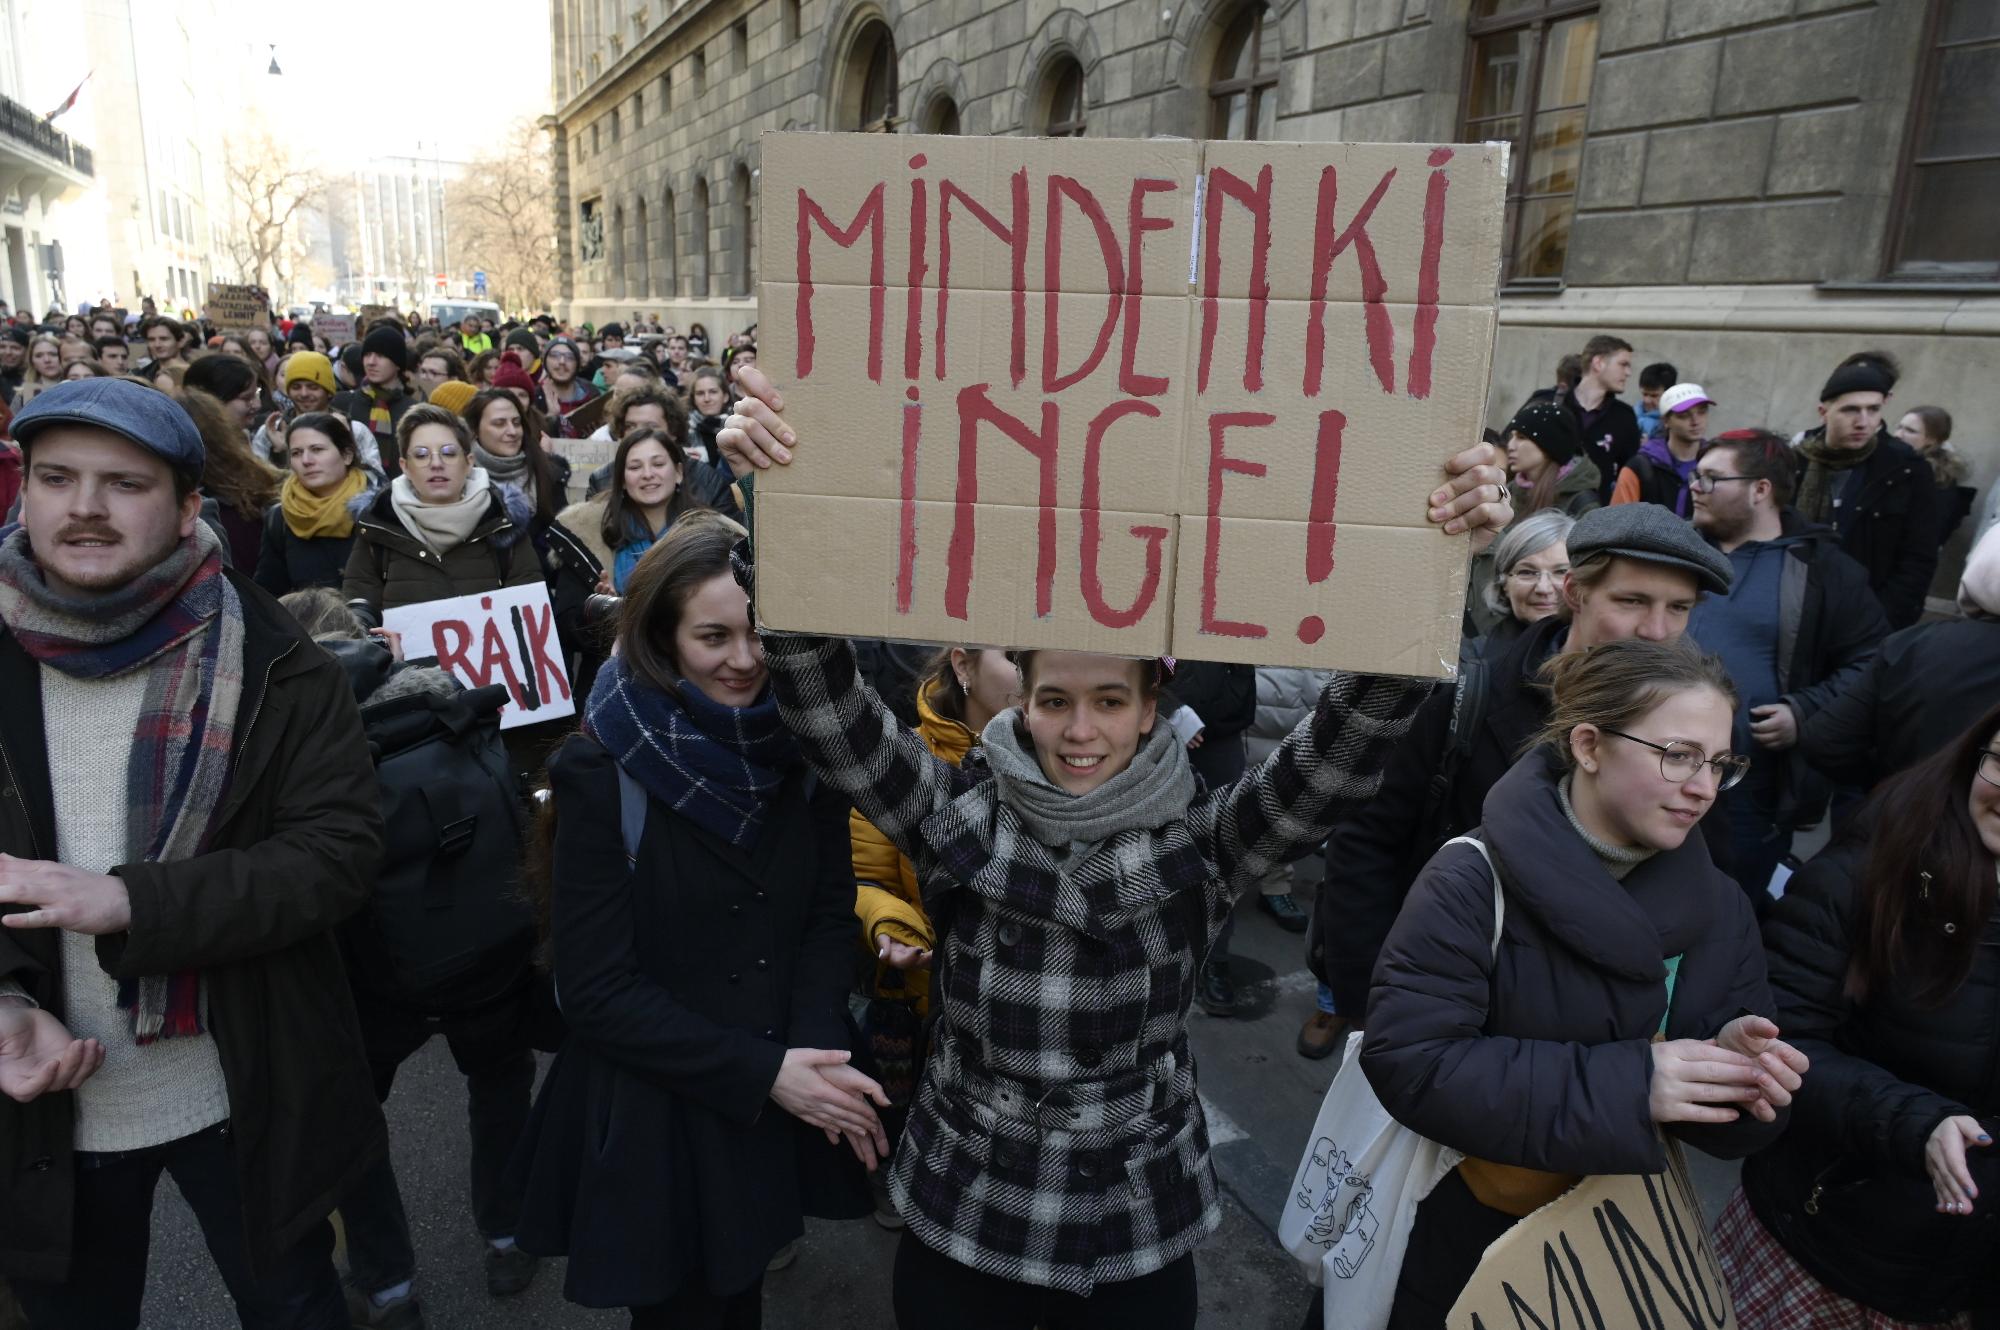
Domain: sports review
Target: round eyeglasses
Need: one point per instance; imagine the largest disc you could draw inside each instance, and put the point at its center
(1528, 577)
(422, 452)
(1989, 767)
(1679, 762)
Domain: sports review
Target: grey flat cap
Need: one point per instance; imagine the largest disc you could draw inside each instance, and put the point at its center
(1652, 533)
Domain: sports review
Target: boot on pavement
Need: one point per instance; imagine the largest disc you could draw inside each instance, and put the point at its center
(1285, 908)
(398, 1313)
(509, 1270)
(1322, 1034)
(1216, 993)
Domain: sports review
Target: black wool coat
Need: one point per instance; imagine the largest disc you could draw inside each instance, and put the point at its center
(287, 563)
(655, 1155)
(1541, 1057)
(1845, 1190)
(1892, 525)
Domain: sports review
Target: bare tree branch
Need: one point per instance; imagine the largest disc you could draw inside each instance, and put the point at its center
(503, 222)
(268, 188)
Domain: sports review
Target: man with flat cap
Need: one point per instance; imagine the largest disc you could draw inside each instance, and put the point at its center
(1855, 476)
(187, 811)
(1635, 571)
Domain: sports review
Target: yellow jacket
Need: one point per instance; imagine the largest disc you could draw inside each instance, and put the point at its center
(887, 898)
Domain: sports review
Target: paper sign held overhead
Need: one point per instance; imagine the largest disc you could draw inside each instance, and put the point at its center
(1048, 400)
(237, 306)
(336, 329)
(502, 637)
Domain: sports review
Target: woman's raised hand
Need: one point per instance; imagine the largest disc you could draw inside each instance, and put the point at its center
(752, 436)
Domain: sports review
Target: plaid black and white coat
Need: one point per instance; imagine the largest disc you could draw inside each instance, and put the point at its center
(1056, 1138)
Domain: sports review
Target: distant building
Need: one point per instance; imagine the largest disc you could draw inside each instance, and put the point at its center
(1750, 189)
(42, 168)
(389, 236)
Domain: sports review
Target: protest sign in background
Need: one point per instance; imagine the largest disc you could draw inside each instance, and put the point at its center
(337, 329)
(1615, 1250)
(1125, 396)
(506, 636)
(371, 313)
(237, 306)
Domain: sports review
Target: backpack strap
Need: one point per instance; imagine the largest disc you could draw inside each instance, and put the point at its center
(1468, 712)
(631, 815)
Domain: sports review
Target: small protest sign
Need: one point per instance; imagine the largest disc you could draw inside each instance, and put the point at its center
(237, 306)
(371, 313)
(1616, 1249)
(334, 329)
(1130, 397)
(584, 420)
(506, 636)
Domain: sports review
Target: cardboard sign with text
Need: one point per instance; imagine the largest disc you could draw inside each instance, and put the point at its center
(506, 636)
(1125, 396)
(237, 306)
(337, 329)
(370, 314)
(1619, 1249)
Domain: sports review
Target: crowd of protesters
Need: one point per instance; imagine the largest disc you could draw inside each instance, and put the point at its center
(826, 928)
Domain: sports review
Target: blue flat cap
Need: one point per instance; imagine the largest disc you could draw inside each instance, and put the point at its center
(146, 416)
(1648, 532)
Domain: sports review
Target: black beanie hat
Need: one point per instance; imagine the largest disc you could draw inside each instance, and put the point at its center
(300, 335)
(525, 340)
(1863, 376)
(389, 344)
(1549, 425)
(350, 356)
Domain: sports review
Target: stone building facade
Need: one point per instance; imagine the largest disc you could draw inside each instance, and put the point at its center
(1749, 189)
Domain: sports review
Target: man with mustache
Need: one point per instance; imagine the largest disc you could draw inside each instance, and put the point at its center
(171, 996)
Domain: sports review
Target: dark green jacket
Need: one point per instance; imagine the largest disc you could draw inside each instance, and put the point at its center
(293, 854)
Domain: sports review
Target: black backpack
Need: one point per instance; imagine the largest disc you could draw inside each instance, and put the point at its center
(448, 928)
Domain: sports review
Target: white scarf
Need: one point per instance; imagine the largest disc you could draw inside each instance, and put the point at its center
(442, 527)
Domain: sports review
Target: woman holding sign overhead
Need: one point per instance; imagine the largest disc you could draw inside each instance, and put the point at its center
(1055, 1167)
(442, 528)
(1548, 1015)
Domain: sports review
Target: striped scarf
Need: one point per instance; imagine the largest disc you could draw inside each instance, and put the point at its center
(717, 766)
(182, 622)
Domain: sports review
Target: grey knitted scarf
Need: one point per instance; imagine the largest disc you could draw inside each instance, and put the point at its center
(1154, 790)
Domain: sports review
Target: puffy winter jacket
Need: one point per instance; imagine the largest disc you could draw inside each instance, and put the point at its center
(390, 568)
(1284, 698)
(1845, 1190)
(1915, 696)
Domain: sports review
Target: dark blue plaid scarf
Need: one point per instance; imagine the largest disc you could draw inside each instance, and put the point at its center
(717, 766)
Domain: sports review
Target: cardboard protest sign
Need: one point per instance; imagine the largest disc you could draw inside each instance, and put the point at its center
(1125, 396)
(506, 636)
(371, 313)
(1621, 1249)
(237, 306)
(337, 329)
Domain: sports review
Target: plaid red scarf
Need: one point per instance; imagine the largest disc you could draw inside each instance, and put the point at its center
(178, 769)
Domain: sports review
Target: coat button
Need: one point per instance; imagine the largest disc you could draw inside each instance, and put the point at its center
(1088, 1055)
(763, 964)
(761, 896)
(770, 1032)
(735, 910)
(735, 978)
(1010, 935)
(1005, 1158)
(1086, 1165)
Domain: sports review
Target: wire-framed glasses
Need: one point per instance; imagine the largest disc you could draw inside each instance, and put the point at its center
(1679, 761)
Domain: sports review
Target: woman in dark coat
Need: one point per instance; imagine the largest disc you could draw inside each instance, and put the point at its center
(1885, 961)
(1536, 1055)
(309, 531)
(692, 1118)
(442, 527)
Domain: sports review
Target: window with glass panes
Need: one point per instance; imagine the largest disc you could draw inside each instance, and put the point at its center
(1529, 85)
(1065, 107)
(1946, 228)
(1243, 88)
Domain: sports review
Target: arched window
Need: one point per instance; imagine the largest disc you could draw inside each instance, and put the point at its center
(743, 261)
(698, 246)
(867, 98)
(618, 287)
(644, 285)
(941, 116)
(669, 258)
(1243, 89)
(1061, 104)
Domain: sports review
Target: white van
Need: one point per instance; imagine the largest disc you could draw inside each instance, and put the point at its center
(448, 312)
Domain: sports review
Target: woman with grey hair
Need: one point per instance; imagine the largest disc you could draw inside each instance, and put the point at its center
(1520, 581)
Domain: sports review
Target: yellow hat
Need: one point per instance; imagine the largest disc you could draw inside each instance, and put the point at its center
(452, 395)
(310, 367)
